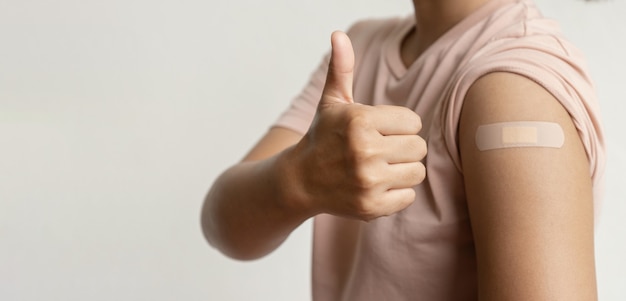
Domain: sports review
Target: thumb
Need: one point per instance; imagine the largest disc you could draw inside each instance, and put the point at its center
(338, 87)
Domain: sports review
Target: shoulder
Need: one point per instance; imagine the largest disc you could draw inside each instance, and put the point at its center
(520, 27)
(503, 96)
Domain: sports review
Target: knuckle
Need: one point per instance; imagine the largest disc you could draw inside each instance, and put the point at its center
(410, 118)
(366, 179)
(404, 199)
(420, 172)
(363, 149)
(414, 146)
(414, 175)
(357, 119)
(409, 198)
(369, 218)
(415, 120)
(421, 147)
(366, 209)
(418, 122)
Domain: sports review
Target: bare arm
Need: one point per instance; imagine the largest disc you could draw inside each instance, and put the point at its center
(245, 215)
(353, 162)
(531, 208)
(247, 198)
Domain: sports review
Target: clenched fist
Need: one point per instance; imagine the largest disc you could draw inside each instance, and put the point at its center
(356, 160)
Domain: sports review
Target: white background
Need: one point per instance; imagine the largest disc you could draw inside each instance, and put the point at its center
(116, 116)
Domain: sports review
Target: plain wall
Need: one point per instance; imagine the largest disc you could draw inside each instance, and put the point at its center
(116, 116)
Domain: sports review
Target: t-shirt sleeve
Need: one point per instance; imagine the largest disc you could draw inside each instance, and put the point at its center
(558, 70)
(299, 115)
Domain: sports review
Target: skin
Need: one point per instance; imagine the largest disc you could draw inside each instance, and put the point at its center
(359, 153)
(531, 208)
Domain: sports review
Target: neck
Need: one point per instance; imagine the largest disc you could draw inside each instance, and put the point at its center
(433, 18)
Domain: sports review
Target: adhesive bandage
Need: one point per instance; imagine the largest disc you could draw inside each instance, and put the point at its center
(519, 134)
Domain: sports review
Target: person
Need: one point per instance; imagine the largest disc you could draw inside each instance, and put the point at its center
(455, 154)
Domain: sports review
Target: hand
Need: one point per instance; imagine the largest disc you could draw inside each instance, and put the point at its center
(356, 160)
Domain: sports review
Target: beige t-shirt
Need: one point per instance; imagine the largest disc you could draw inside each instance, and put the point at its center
(426, 252)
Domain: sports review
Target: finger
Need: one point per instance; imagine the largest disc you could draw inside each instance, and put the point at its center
(338, 87)
(397, 200)
(403, 148)
(405, 175)
(395, 120)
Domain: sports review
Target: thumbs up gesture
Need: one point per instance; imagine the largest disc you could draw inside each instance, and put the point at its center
(356, 160)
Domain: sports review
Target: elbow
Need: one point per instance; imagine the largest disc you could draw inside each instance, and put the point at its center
(207, 229)
(229, 247)
(226, 243)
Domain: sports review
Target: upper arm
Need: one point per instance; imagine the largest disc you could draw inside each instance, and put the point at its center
(276, 140)
(531, 208)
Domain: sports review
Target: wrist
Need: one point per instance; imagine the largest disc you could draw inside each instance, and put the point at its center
(290, 175)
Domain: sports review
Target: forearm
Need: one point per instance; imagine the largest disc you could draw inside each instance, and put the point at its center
(249, 211)
(355, 161)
